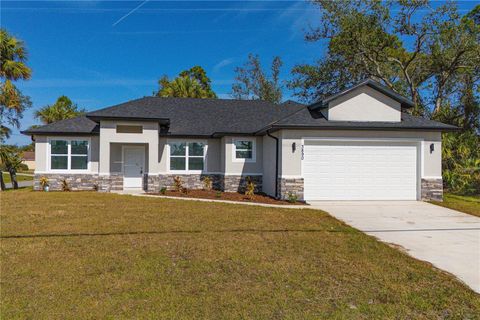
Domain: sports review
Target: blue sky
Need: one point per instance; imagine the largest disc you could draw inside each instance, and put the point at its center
(100, 53)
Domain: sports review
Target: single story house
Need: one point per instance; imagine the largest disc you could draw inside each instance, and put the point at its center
(359, 144)
(28, 159)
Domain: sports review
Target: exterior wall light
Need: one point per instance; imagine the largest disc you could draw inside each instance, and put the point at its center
(294, 147)
(432, 147)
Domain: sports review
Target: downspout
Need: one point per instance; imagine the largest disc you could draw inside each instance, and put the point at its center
(276, 162)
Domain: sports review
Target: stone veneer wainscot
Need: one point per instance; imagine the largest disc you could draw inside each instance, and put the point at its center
(432, 189)
(229, 183)
(290, 185)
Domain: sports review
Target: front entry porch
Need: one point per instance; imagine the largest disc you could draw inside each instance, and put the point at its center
(129, 161)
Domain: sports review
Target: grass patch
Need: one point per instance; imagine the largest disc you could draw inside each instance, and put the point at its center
(467, 204)
(6, 178)
(93, 255)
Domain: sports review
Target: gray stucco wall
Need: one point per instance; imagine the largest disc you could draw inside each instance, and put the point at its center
(364, 104)
(109, 136)
(242, 167)
(292, 163)
(116, 156)
(42, 151)
(269, 154)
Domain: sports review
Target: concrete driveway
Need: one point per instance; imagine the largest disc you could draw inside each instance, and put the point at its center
(448, 239)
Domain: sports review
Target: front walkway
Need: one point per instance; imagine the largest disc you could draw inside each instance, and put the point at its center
(448, 239)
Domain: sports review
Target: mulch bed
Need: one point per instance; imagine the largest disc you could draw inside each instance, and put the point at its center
(232, 196)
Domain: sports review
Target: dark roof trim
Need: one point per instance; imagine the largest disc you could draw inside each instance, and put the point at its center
(405, 102)
(410, 128)
(59, 133)
(206, 136)
(188, 136)
(231, 134)
(99, 118)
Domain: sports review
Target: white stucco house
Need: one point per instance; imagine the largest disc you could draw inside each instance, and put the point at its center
(359, 144)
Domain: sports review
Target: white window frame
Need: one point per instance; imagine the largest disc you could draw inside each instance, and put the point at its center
(69, 154)
(254, 150)
(187, 156)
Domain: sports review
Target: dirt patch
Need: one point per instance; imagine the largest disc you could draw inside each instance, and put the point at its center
(232, 196)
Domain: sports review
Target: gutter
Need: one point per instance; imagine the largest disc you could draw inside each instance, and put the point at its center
(276, 161)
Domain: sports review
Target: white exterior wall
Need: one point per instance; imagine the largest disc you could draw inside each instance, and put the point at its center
(42, 152)
(430, 163)
(364, 104)
(41, 147)
(108, 135)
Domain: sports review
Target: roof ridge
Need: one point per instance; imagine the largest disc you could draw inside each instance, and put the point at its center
(286, 117)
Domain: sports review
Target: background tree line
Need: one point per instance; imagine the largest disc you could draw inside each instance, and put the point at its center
(433, 58)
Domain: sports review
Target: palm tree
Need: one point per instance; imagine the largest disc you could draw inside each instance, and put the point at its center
(12, 160)
(184, 87)
(12, 68)
(62, 109)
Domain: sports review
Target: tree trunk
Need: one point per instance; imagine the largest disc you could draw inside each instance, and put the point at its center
(2, 183)
(13, 177)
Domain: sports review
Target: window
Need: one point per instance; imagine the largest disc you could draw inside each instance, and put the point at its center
(68, 154)
(129, 129)
(244, 149)
(187, 156)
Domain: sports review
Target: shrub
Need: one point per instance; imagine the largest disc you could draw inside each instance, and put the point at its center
(163, 190)
(461, 162)
(292, 197)
(43, 182)
(65, 186)
(218, 194)
(95, 187)
(185, 190)
(207, 183)
(250, 188)
(178, 184)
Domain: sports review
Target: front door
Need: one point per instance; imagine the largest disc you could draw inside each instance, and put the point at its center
(133, 166)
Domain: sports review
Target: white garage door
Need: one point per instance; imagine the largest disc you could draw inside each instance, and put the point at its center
(359, 171)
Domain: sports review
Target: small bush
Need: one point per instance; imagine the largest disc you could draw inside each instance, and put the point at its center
(95, 187)
(218, 194)
(65, 186)
(185, 190)
(178, 184)
(207, 183)
(250, 189)
(43, 182)
(163, 190)
(292, 197)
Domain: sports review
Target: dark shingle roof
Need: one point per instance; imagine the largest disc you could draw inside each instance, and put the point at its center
(202, 117)
(217, 117)
(405, 103)
(73, 126)
(307, 119)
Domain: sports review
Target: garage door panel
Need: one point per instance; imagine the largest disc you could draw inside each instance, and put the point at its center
(360, 171)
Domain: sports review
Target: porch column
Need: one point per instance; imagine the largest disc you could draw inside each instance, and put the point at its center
(104, 158)
(153, 166)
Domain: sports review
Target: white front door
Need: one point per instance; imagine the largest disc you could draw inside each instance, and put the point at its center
(360, 171)
(133, 167)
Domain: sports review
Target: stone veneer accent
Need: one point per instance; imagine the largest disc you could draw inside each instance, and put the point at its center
(432, 189)
(293, 185)
(80, 181)
(195, 181)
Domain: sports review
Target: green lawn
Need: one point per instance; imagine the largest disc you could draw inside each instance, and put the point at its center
(92, 255)
(6, 178)
(465, 204)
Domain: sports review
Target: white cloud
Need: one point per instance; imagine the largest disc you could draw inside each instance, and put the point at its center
(223, 63)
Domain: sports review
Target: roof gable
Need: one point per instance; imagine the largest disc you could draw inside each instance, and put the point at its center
(404, 102)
